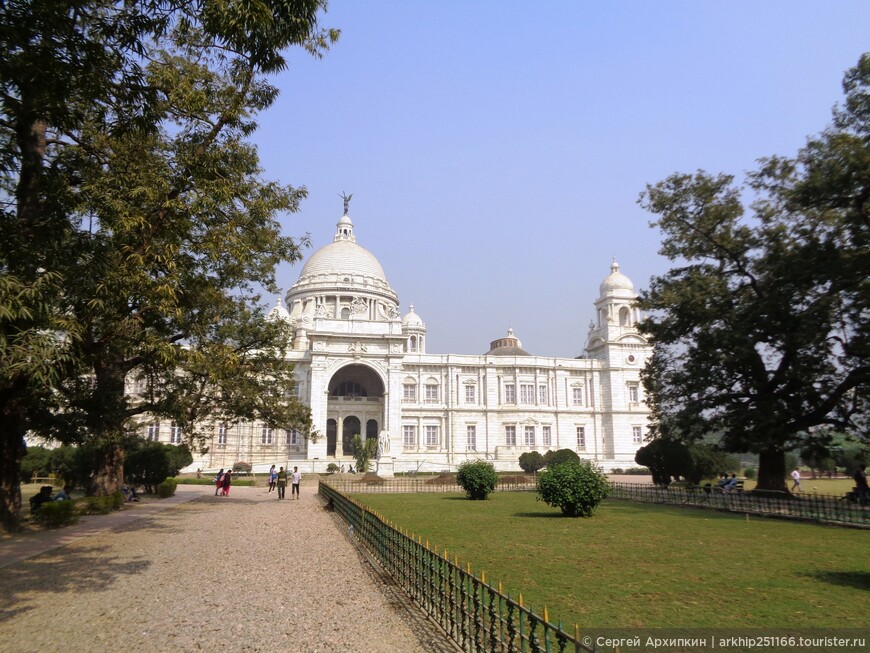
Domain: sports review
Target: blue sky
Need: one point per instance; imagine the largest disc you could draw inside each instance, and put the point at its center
(496, 150)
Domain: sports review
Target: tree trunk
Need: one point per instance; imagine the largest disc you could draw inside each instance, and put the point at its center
(771, 471)
(11, 452)
(109, 474)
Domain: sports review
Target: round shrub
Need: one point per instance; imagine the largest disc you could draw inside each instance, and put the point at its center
(531, 461)
(576, 488)
(166, 488)
(553, 458)
(749, 472)
(477, 478)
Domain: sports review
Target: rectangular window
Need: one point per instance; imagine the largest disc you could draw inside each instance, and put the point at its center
(510, 396)
(577, 394)
(545, 436)
(527, 393)
(409, 392)
(222, 434)
(431, 393)
(543, 395)
(431, 436)
(291, 436)
(470, 394)
(510, 435)
(632, 392)
(636, 434)
(471, 437)
(175, 434)
(409, 436)
(529, 436)
(581, 437)
(153, 431)
(266, 435)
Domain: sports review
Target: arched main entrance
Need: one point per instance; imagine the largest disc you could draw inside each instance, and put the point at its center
(355, 407)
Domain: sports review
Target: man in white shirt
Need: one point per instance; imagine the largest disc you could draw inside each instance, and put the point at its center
(295, 479)
(796, 477)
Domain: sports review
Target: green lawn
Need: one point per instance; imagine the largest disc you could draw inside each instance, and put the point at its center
(641, 565)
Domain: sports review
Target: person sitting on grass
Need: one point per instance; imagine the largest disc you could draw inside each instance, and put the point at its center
(44, 496)
(63, 495)
(130, 494)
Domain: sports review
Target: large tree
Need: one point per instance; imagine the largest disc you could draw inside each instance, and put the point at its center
(761, 329)
(136, 224)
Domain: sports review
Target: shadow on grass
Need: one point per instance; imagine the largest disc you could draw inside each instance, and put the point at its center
(545, 515)
(857, 579)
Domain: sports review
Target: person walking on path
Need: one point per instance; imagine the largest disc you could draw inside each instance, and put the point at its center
(273, 477)
(796, 477)
(228, 480)
(296, 479)
(281, 479)
(218, 481)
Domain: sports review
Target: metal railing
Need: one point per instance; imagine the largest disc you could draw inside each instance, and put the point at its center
(475, 615)
(812, 507)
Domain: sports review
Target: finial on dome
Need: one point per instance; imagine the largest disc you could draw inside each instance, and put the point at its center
(346, 199)
(510, 330)
(614, 266)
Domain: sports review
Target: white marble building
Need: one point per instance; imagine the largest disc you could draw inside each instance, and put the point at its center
(363, 368)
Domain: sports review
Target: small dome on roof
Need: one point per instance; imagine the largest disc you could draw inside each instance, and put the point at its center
(411, 319)
(278, 312)
(507, 346)
(616, 283)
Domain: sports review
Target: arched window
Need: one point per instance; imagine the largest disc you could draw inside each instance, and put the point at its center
(624, 316)
(349, 389)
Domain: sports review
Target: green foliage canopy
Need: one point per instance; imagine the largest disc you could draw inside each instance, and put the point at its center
(761, 331)
(136, 225)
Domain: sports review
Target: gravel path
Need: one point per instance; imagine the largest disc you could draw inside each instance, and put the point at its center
(242, 573)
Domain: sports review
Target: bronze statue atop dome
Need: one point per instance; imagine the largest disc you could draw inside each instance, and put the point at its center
(346, 199)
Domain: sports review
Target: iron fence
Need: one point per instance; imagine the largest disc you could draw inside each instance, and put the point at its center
(812, 507)
(476, 615)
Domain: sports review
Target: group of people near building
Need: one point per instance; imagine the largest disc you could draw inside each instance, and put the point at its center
(278, 480)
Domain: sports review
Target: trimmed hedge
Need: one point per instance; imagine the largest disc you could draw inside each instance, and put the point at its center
(54, 514)
(103, 505)
(166, 488)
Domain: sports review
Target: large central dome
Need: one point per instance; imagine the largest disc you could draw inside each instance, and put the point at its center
(343, 257)
(341, 268)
